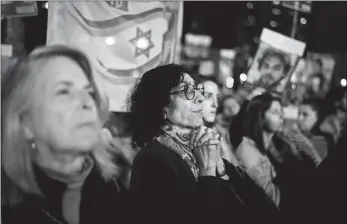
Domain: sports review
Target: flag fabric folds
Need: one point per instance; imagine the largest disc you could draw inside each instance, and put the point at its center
(122, 39)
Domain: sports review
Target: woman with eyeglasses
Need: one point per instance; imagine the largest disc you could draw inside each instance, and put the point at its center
(178, 175)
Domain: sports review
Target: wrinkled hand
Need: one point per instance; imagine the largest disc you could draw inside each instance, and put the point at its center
(205, 146)
(220, 165)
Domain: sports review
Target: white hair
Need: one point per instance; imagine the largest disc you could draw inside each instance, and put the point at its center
(16, 100)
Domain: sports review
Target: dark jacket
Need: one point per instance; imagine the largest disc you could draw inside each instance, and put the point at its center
(101, 202)
(165, 190)
(327, 190)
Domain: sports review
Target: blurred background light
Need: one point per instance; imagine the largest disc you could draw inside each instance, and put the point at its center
(229, 82)
(142, 43)
(343, 82)
(243, 77)
(273, 24)
(303, 20)
(110, 41)
(276, 11)
(250, 5)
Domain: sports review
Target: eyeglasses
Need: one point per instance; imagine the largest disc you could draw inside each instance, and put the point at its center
(188, 91)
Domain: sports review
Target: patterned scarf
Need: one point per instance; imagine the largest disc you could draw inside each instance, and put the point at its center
(179, 143)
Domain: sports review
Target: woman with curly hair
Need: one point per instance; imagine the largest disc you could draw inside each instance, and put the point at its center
(178, 175)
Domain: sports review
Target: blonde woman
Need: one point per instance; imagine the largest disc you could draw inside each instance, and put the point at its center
(54, 159)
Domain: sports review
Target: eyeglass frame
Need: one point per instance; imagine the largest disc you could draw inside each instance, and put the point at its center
(186, 88)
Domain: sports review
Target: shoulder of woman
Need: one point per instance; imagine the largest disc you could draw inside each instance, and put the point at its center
(247, 152)
(246, 141)
(155, 156)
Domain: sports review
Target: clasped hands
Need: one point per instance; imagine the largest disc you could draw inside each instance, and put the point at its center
(205, 146)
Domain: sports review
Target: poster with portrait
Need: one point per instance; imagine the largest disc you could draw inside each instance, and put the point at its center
(318, 73)
(274, 62)
(312, 76)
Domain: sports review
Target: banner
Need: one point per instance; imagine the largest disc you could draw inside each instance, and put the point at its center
(122, 39)
(274, 62)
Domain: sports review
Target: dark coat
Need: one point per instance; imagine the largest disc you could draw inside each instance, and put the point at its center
(327, 201)
(165, 190)
(101, 202)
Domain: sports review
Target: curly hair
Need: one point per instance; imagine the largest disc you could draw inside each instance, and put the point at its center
(147, 101)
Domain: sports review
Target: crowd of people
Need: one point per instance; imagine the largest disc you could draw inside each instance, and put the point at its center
(194, 156)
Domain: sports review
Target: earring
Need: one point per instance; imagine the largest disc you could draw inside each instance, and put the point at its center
(32, 145)
(164, 114)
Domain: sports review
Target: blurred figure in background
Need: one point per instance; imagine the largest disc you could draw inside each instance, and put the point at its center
(251, 146)
(335, 109)
(327, 188)
(274, 163)
(309, 120)
(315, 87)
(119, 139)
(54, 157)
(229, 107)
(210, 104)
(209, 112)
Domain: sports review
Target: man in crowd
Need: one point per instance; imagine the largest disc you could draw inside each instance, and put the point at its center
(273, 68)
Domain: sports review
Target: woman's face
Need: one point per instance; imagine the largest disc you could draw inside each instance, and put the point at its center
(183, 112)
(231, 107)
(315, 84)
(273, 117)
(307, 117)
(64, 115)
(210, 104)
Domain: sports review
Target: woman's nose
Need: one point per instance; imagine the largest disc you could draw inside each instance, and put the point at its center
(215, 102)
(199, 98)
(86, 100)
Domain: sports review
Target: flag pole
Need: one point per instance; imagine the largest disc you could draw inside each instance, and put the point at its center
(295, 19)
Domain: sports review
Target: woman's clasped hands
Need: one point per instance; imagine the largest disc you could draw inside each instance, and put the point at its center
(205, 146)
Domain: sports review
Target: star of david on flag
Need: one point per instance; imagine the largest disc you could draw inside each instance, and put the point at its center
(142, 42)
(122, 39)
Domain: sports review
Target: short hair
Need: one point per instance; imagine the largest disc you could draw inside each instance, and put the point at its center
(268, 53)
(147, 100)
(16, 99)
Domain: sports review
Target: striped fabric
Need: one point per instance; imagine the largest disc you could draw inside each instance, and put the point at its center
(314, 147)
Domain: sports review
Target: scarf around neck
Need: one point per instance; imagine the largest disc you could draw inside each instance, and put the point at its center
(179, 143)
